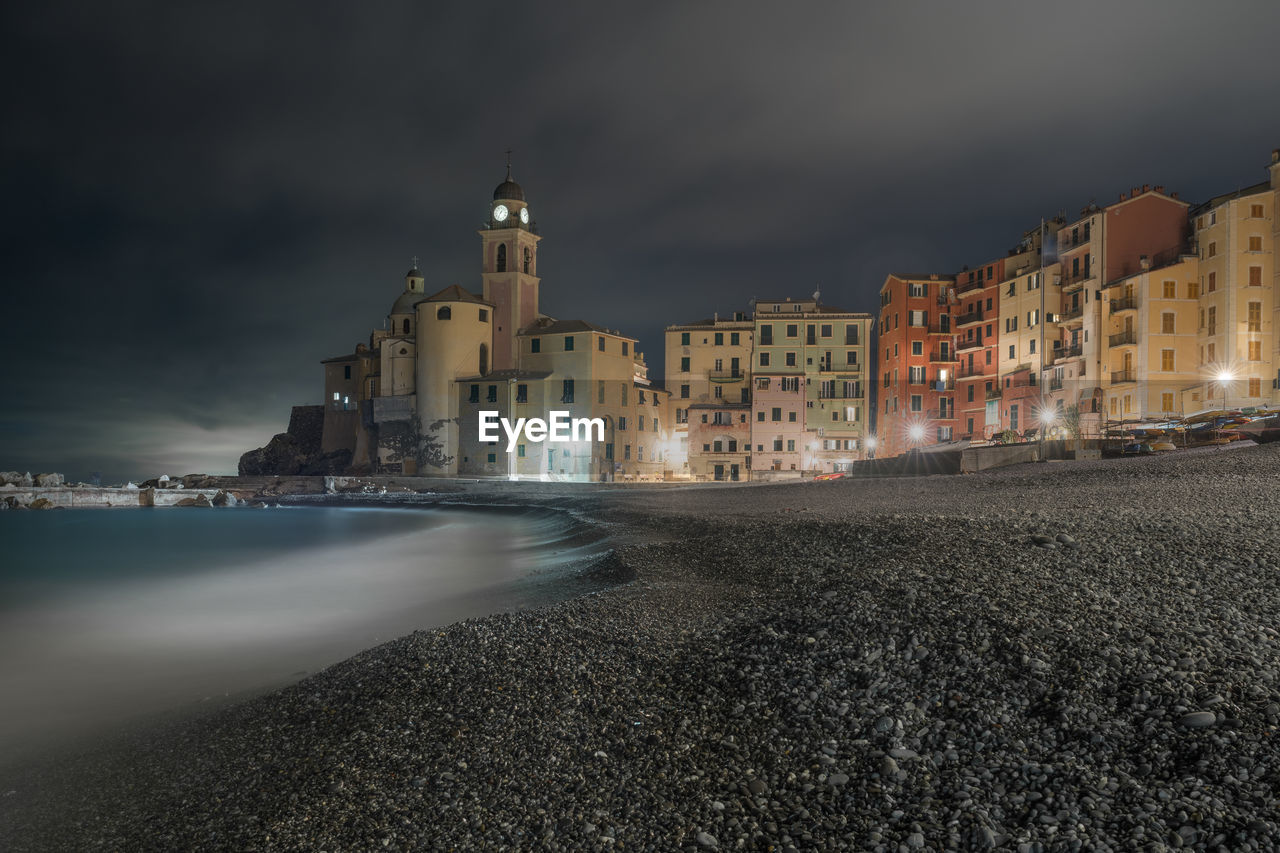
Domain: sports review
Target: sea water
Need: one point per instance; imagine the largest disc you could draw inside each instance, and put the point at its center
(108, 617)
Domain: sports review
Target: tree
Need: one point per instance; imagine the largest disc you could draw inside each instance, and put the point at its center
(1071, 420)
(406, 440)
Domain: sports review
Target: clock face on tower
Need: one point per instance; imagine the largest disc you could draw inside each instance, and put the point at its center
(500, 213)
(524, 215)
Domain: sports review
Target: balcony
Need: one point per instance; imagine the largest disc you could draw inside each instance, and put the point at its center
(945, 384)
(993, 394)
(1069, 314)
(1128, 336)
(726, 375)
(1055, 384)
(970, 286)
(943, 357)
(1127, 303)
(971, 317)
(969, 372)
(962, 346)
(1063, 353)
(1119, 376)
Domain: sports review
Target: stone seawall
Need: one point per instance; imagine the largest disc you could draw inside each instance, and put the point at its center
(103, 497)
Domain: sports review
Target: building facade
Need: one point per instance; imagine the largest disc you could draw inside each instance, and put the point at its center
(708, 363)
(917, 337)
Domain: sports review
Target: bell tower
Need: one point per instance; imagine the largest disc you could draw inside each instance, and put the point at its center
(509, 268)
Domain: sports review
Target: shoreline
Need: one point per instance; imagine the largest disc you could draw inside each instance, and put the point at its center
(857, 663)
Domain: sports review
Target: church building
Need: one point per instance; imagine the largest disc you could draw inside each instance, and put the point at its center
(445, 356)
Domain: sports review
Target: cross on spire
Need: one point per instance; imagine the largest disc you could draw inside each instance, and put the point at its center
(508, 164)
(414, 260)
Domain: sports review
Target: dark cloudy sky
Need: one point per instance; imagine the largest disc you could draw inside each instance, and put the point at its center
(201, 203)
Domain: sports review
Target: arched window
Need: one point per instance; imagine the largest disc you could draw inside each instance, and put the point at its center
(406, 325)
(484, 359)
(528, 259)
(502, 257)
(445, 313)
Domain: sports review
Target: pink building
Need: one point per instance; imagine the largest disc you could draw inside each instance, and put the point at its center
(777, 427)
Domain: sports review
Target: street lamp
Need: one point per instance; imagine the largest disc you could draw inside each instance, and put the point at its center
(1047, 418)
(1225, 377)
(916, 432)
(511, 456)
(870, 445)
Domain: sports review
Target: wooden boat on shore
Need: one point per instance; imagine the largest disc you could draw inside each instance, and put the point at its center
(1263, 430)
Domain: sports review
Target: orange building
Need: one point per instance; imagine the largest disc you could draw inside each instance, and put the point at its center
(916, 405)
(977, 331)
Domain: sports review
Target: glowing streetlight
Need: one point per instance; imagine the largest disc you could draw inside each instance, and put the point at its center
(871, 442)
(916, 432)
(1224, 378)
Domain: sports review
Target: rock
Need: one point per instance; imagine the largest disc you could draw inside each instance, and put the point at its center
(1197, 720)
(1068, 542)
(915, 840)
(706, 839)
(835, 780)
(49, 481)
(221, 498)
(42, 503)
(13, 478)
(757, 787)
(1041, 540)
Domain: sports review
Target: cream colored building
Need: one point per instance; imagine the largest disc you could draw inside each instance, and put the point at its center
(443, 357)
(1236, 241)
(709, 363)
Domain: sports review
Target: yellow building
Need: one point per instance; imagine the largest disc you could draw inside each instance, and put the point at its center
(708, 363)
(1236, 241)
(1149, 342)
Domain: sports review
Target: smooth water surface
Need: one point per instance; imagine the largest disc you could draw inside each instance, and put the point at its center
(107, 616)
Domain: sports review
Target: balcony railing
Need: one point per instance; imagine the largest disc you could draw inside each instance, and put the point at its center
(1118, 376)
(944, 357)
(993, 394)
(1126, 303)
(1073, 351)
(967, 372)
(968, 286)
(726, 375)
(971, 317)
(1069, 314)
(961, 346)
(1055, 384)
(1128, 336)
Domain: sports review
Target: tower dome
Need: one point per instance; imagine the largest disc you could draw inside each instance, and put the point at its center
(508, 189)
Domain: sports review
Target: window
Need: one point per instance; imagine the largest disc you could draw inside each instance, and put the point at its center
(475, 394)
(566, 395)
(346, 371)
(502, 257)
(484, 359)
(600, 344)
(528, 260)
(1255, 276)
(1255, 244)
(776, 414)
(1255, 211)
(1166, 323)
(1201, 319)
(535, 345)
(492, 395)
(493, 457)
(851, 357)
(1032, 349)
(1213, 249)
(599, 390)
(684, 364)
(917, 318)
(1213, 282)
(522, 393)
(684, 339)
(1193, 290)
(1166, 360)
(1255, 350)
(760, 416)
(1166, 402)
(825, 330)
(718, 392)
(917, 347)
(917, 289)
(791, 359)
(766, 334)
(719, 339)
(1115, 403)
(1212, 353)
(626, 451)
(793, 330)
(1213, 320)
(1012, 348)
(1255, 316)
(917, 403)
(684, 392)
(1170, 290)
(915, 375)
(608, 450)
(568, 343)
(520, 450)
(625, 345)
(1033, 317)
(764, 359)
(851, 335)
(791, 417)
(790, 383)
(1255, 387)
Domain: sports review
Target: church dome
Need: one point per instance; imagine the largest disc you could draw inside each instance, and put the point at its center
(405, 302)
(508, 190)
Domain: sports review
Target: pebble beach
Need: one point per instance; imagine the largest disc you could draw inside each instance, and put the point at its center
(1065, 656)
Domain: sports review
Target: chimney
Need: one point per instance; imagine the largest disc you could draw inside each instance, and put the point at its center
(1159, 188)
(1123, 196)
(1275, 155)
(1144, 262)
(1134, 192)
(1146, 188)
(1173, 195)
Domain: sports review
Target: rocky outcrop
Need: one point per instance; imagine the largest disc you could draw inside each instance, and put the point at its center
(13, 478)
(49, 481)
(285, 455)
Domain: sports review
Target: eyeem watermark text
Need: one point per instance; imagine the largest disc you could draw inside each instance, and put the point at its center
(559, 428)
